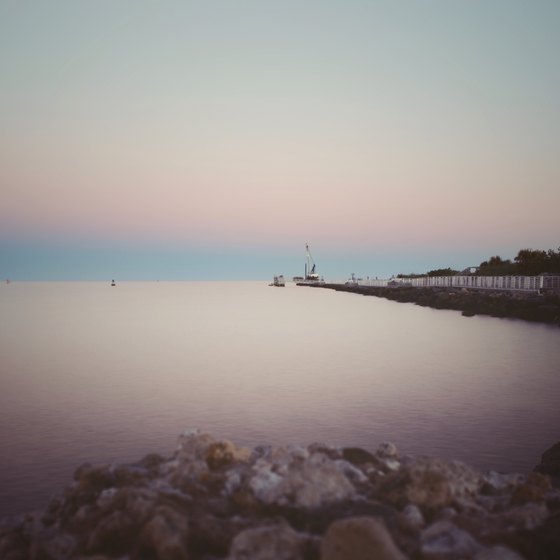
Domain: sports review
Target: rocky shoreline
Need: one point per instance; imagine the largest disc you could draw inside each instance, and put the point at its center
(212, 500)
(513, 305)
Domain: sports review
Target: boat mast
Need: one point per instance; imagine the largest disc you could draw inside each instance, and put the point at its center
(309, 264)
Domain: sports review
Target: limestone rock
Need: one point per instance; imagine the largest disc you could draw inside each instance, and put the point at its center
(534, 489)
(494, 483)
(359, 538)
(547, 539)
(550, 461)
(430, 484)
(412, 517)
(445, 541)
(57, 546)
(113, 534)
(166, 534)
(330, 451)
(357, 456)
(498, 553)
(304, 483)
(387, 450)
(91, 480)
(526, 517)
(211, 499)
(353, 473)
(193, 445)
(272, 542)
(224, 453)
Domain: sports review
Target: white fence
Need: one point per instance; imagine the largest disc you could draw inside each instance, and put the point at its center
(524, 283)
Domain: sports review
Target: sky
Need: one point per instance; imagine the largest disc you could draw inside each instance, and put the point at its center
(212, 140)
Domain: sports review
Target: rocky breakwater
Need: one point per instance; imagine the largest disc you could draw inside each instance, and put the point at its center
(514, 305)
(213, 500)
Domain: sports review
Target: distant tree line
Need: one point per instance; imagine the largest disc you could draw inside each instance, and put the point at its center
(528, 262)
(436, 272)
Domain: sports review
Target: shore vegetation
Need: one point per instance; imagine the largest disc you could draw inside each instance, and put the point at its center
(528, 262)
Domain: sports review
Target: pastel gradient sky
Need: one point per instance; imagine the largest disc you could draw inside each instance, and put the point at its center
(214, 139)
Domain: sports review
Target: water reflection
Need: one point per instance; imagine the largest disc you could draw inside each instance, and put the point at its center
(96, 373)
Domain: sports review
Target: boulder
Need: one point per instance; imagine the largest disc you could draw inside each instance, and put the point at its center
(359, 538)
(224, 453)
(498, 553)
(550, 461)
(300, 482)
(534, 489)
(270, 542)
(412, 517)
(430, 484)
(387, 450)
(166, 534)
(212, 499)
(444, 541)
(357, 456)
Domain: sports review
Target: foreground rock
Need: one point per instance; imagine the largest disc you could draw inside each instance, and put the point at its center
(212, 500)
(550, 461)
(513, 305)
(550, 464)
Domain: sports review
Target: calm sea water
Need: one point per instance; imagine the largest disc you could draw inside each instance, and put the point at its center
(94, 373)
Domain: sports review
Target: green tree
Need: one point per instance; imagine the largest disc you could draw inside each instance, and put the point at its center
(410, 275)
(553, 258)
(531, 262)
(496, 266)
(443, 272)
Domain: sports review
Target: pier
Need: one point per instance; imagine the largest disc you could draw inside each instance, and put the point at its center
(531, 298)
(537, 284)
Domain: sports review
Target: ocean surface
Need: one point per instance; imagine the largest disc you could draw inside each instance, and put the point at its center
(93, 373)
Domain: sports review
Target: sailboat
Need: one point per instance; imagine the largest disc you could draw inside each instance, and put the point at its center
(310, 276)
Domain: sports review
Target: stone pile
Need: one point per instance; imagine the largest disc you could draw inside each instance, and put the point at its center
(513, 305)
(212, 500)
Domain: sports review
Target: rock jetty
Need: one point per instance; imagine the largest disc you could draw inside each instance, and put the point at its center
(513, 305)
(213, 500)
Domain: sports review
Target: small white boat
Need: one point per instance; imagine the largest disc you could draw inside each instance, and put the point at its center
(278, 281)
